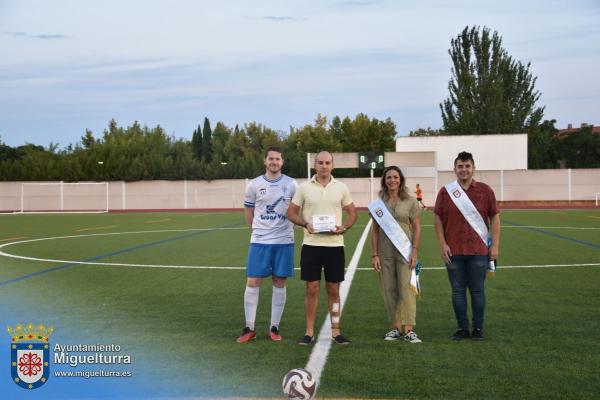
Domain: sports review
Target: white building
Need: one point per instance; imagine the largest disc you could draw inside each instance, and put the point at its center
(491, 152)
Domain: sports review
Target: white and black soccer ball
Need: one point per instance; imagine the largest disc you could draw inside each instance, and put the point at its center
(299, 384)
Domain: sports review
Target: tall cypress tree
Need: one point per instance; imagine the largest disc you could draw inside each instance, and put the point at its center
(490, 92)
(197, 143)
(207, 141)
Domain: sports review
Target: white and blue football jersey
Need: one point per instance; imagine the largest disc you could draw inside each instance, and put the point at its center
(270, 200)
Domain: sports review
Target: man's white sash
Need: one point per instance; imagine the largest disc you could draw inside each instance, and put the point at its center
(391, 227)
(468, 210)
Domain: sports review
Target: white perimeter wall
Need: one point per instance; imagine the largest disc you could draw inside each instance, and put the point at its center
(530, 185)
(491, 152)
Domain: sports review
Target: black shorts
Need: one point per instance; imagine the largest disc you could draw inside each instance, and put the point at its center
(331, 259)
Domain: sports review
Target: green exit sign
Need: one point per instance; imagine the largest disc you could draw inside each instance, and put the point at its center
(370, 160)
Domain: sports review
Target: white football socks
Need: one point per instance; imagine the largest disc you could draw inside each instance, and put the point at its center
(250, 305)
(277, 305)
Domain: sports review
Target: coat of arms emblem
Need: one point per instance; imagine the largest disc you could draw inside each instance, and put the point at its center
(30, 355)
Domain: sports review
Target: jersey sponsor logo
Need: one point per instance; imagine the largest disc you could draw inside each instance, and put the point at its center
(271, 213)
(271, 207)
(273, 217)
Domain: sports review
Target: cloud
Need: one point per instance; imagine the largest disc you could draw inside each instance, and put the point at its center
(359, 3)
(277, 18)
(14, 33)
(43, 36)
(49, 36)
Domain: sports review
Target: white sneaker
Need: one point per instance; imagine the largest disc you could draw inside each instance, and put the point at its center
(412, 337)
(394, 334)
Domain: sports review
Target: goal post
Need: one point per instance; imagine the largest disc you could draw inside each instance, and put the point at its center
(64, 197)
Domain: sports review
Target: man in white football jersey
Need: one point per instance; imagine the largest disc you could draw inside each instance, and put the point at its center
(271, 251)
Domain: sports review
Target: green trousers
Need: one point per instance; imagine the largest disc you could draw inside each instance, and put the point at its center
(394, 279)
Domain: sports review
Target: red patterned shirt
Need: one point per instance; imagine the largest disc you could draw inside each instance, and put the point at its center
(460, 237)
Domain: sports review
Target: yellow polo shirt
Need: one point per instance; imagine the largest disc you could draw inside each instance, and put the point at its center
(316, 199)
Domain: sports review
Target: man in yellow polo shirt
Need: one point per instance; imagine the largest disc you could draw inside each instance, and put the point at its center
(317, 206)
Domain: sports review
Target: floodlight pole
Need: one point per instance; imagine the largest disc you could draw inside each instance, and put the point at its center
(308, 165)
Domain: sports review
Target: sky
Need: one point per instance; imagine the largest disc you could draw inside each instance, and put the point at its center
(67, 66)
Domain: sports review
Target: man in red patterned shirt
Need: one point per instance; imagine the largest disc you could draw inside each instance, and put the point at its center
(466, 255)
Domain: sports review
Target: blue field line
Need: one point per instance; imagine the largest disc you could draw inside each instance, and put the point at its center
(114, 253)
(556, 235)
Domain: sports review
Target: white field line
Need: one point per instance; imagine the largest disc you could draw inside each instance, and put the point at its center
(318, 357)
(501, 267)
(50, 260)
(582, 228)
(538, 227)
(120, 233)
(216, 267)
(236, 228)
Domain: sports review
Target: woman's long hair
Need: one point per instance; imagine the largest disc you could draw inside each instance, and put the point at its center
(402, 192)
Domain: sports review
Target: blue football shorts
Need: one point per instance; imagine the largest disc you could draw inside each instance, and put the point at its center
(270, 259)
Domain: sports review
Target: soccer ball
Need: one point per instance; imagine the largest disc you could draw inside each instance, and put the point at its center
(299, 384)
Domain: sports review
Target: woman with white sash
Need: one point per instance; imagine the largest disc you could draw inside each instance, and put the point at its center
(395, 238)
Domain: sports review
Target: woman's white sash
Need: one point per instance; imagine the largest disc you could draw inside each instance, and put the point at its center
(468, 210)
(391, 227)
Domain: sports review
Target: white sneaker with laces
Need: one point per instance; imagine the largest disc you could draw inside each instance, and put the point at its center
(412, 337)
(394, 334)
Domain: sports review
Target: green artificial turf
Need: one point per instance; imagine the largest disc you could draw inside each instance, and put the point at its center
(180, 324)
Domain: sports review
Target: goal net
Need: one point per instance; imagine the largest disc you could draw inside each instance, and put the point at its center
(80, 197)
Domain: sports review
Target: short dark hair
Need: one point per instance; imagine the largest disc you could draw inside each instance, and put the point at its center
(464, 156)
(274, 148)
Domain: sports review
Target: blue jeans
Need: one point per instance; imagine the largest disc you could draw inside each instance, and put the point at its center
(468, 272)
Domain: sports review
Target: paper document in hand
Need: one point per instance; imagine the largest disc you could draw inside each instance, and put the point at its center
(415, 285)
(323, 223)
(491, 269)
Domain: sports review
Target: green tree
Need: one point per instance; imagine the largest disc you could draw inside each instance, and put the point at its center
(490, 92)
(580, 149)
(88, 140)
(7, 152)
(337, 130)
(197, 143)
(260, 137)
(207, 141)
(541, 153)
(364, 133)
(426, 132)
(221, 135)
(312, 139)
(235, 146)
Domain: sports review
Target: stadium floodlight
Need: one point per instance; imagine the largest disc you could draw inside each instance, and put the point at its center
(371, 160)
(64, 197)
